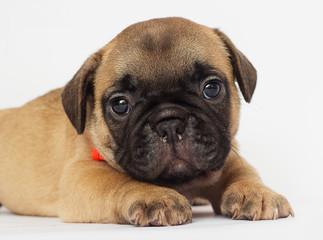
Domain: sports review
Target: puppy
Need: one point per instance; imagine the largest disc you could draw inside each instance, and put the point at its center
(160, 107)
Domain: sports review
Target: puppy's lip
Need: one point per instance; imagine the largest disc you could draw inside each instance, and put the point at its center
(179, 158)
(179, 165)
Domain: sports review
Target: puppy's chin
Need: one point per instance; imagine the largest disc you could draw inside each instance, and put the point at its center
(203, 179)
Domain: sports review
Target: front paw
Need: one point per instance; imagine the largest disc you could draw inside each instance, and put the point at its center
(245, 200)
(160, 207)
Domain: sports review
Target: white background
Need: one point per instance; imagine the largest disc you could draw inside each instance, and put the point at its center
(43, 43)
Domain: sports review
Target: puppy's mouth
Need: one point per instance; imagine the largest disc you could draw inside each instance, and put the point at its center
(176, 151)
(182, 164)
(178, 161)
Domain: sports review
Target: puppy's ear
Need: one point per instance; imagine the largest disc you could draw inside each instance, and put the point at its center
(245, 73)
(74, 95)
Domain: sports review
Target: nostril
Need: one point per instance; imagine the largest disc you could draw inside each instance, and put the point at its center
(180, 129)
(163, 134)
(160, 130)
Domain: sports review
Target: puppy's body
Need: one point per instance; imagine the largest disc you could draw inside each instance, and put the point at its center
(29, 172)
(173, 144)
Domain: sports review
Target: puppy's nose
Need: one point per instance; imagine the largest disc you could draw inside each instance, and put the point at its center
(171, 130)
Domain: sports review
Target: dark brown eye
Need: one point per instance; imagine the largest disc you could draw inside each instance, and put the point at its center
(120, 106)
(211, 90)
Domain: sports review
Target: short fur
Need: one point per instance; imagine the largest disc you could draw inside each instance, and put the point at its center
(46, 167)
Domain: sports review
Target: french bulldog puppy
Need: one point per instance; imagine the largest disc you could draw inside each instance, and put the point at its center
(160, 106)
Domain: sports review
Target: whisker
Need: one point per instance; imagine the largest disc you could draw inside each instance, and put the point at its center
(235, 150)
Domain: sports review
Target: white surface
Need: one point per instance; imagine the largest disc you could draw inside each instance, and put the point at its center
(306, 225)
(43, 43)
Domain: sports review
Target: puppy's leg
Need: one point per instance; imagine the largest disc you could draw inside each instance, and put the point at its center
(240, 193)
(93, 192)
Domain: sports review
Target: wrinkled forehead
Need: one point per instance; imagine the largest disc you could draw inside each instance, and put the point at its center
(164, 51)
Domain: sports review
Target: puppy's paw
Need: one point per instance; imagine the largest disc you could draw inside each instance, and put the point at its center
(160, 208)
(244, 200)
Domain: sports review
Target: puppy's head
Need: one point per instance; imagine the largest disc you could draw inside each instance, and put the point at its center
(160, 101)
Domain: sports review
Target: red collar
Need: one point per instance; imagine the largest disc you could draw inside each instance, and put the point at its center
(96, 155)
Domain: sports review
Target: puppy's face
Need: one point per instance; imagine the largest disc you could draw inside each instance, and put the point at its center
(170, 128)
(162, 103)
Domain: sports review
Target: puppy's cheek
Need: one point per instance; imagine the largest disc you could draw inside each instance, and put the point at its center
(207, 145)
(147, 158)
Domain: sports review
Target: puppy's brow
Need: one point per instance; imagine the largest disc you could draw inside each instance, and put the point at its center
(202, 71)
(126, 83)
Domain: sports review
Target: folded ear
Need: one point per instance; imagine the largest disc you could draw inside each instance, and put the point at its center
(74, 95)
(245, 73)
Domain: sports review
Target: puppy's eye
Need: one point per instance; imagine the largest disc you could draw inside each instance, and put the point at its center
(120, 106)
(211, 90)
